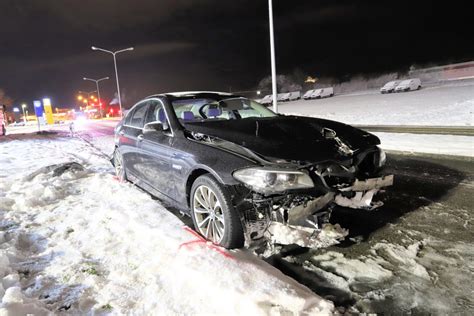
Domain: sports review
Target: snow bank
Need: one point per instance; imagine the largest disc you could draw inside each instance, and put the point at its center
(81, 242)
(432, 144)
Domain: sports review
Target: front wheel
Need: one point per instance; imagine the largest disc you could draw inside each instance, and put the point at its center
(213, 213)
(119, 166)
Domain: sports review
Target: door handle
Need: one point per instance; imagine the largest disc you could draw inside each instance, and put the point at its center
(140, 137)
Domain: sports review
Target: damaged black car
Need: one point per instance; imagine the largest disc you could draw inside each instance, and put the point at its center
(244, 173)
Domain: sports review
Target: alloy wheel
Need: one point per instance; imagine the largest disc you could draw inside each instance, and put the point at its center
(118, 163)
(208, 214)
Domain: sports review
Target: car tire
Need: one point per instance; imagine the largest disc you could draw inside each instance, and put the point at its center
(213, 213)
(119, 165)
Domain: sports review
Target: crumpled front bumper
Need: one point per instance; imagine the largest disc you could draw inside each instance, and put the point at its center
(364, 192)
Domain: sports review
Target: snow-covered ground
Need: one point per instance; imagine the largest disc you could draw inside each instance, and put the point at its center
(75, 240)
(433, 144)
(446, 105)
(422, 264)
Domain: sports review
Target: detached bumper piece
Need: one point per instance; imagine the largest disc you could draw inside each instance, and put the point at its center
(363, 193)
(282, 234)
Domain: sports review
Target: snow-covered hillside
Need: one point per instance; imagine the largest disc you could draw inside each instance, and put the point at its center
(447, 105)
(75, 240)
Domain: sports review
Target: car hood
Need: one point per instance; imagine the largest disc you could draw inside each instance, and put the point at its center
(292, 138)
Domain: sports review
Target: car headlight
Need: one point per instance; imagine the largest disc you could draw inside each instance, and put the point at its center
(269, 181)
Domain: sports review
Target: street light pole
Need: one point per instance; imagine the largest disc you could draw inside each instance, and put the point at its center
(23, 106)
(98, 91)
(116, 72)
(272, 55)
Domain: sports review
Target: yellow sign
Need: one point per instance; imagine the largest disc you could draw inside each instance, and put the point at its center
(48, 111)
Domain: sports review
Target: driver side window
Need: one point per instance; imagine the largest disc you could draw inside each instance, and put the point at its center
(156, 113)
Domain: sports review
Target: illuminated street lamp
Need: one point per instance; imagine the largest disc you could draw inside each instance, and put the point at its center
(116, 72)
(98, 91)
(23, 107)
(83, 98)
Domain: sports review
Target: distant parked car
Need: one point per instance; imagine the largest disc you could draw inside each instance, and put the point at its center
(322, 93)
(390, 86)
(409, 85)
(281, 97)
(308, 94)
(266, 100)
(295, 95)
(316, 94)
(289, 96)
(284, 97)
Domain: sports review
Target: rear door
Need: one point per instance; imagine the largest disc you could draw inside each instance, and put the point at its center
(130, 138)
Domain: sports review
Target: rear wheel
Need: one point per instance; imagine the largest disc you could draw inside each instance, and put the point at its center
(119, 166)
(213, 214)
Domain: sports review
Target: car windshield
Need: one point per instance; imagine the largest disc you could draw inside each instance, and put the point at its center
(205, 109)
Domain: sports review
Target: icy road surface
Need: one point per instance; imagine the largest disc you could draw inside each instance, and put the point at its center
(446, 105)
(413, 256)
(75, 240)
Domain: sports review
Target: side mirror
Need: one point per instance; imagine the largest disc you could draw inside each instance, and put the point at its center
(153, 127)
(328, 133)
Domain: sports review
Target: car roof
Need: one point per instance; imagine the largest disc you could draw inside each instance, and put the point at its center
(184, 95)
(191, 94)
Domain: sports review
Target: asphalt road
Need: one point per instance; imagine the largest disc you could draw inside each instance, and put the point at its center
(431, 203)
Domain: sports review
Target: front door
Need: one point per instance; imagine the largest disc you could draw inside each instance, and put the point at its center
(156, 150)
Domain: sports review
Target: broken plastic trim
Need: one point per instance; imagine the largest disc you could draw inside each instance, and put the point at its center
(369, 184)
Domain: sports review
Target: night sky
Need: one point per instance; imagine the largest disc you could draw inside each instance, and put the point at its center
(216, 45)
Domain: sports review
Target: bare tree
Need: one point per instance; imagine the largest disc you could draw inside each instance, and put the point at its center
(284, 84)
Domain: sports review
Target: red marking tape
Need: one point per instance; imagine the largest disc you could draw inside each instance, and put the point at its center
(201, 240)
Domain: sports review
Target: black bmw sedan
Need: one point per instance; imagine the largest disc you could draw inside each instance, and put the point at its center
(238, 168)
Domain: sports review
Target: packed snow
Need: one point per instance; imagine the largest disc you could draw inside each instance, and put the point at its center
(416, 266)
(446, 105)
(75, 240)
(452, 145)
